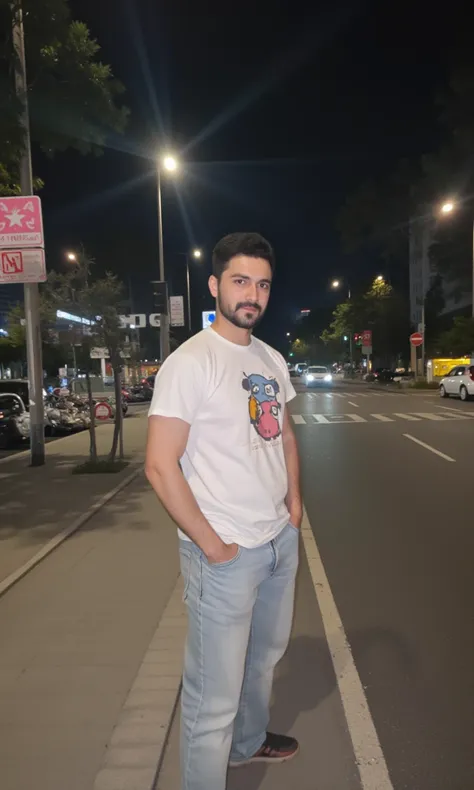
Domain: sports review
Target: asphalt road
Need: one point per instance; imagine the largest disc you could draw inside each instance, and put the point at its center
(387, 480)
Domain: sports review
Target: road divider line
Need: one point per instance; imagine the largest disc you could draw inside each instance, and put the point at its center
(409, 417)
(368, 752)
(428, 447)
(428, 416)
(351, 403)
(382, 418)
(52, 544)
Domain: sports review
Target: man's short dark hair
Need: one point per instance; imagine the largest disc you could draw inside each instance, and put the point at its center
(251, 244)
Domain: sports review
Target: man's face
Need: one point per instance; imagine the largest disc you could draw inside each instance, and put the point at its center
(243, 291)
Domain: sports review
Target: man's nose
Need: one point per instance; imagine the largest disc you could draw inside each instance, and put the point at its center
(252, 292)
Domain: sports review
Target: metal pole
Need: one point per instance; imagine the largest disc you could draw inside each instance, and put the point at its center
(164, 321)
(350, 338)
(188, 283)
(31, 290)
(473, 269)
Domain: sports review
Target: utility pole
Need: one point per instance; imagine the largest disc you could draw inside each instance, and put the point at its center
(31, 290)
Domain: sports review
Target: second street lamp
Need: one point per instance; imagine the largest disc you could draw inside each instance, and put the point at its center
(170, 165)
(197, 255)
(335, 285)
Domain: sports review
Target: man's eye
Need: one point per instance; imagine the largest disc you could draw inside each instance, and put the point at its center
(265, 286)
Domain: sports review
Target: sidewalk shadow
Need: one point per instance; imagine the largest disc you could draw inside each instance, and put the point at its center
(306, 677)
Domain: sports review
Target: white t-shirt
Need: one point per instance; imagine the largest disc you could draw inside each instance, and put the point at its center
(234, 398)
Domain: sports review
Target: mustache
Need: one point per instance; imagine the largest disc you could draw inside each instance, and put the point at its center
(243, 305)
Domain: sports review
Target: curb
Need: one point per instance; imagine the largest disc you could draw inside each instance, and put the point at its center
(135, 751)
(52, 544)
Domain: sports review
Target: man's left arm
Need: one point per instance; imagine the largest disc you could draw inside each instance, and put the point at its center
(293, 500)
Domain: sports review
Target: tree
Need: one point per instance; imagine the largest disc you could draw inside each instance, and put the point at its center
(98, 303)
(459, 340)
(382, 310)
(73, 97)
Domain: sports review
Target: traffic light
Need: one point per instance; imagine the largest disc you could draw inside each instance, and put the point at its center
(357, 339)
(160, 297)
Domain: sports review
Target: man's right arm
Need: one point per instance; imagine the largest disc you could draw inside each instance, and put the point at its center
(167, 440)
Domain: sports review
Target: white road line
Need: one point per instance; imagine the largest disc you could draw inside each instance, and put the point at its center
(409, 417)
(428, 447)
(368, 752)
(458, 411)
(351, 403)
(429, 416)
(298, 419)
(320, 418)
(356, 417)
(382, 418)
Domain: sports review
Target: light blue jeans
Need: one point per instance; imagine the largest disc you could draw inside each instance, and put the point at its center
(240, 615)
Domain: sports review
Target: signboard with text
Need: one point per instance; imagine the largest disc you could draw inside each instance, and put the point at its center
(366, 338)
(176, 311)
(21, 223)
(416, 339)
(22, 266)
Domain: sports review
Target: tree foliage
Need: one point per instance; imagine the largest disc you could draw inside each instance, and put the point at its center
(459, 340)
(73, 97)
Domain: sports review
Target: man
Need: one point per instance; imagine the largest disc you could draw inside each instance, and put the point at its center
(223, 460)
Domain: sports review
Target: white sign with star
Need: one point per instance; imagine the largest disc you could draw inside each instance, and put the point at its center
(21, 222)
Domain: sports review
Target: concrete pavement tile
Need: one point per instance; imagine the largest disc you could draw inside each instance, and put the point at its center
(132, 756)
(125, 779)
(137, 733)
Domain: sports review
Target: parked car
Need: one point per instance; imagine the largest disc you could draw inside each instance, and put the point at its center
(14, 420)
(458, 383)
(317, 375)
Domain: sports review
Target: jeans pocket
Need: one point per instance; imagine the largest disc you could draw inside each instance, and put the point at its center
(228, 563)
(295, 529)
(186, 558)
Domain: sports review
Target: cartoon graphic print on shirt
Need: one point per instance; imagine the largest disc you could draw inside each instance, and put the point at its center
(264, 408)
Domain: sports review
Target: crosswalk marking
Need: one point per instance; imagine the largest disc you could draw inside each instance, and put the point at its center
(335, 419)
(298, 419)
(427, 416)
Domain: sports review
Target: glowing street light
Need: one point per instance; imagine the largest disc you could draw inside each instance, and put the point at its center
(380, 279)
(71, 256)
(448, 207)
(197, 254)
(336, 284)
(170, 163)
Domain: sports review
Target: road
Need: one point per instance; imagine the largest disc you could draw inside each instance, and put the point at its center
(387, 479)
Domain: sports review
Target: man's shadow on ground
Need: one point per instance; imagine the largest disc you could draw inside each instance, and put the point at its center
(305, 678)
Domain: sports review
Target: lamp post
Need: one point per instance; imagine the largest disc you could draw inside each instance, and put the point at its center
(335, 285)
(447, 208)
(168, 164)
(197, 255)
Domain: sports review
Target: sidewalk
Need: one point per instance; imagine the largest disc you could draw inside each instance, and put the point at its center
(306, 703)
(36, 504)
(75, 631)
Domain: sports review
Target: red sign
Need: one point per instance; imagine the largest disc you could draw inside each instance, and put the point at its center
(21, 222)
(416, 339)
(367, 337)
(103, 411)
(22, 266)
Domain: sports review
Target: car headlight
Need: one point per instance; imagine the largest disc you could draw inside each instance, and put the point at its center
(328, 377)
(309, 377)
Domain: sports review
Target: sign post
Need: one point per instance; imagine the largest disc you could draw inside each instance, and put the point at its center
(22, 227)
(367, 346)
(416, 339)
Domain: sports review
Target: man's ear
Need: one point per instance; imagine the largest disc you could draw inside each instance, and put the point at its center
(213, 285)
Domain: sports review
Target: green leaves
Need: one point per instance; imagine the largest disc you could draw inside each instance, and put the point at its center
(73, 97)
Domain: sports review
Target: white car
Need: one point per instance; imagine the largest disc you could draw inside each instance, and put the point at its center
(316, 375)
(458, 382)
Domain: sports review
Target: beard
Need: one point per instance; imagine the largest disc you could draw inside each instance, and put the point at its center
(237, 315)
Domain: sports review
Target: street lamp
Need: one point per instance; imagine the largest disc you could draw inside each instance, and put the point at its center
(447, 208)
(335, 285)
(197, 255)
(71, 256)
(170, 165)
(380, 279)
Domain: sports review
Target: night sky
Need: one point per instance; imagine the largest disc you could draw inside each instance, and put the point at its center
(279, 110)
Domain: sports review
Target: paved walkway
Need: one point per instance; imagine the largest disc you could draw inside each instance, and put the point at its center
(36, 504)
